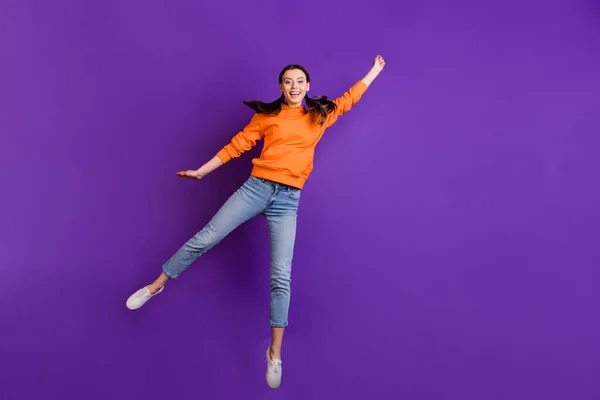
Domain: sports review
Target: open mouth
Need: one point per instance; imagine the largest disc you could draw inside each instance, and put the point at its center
(295, 94)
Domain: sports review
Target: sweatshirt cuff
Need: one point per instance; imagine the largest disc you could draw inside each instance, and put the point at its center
(360, 87)
(223, 155)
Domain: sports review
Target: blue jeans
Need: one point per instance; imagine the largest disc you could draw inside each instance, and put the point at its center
(279, 204)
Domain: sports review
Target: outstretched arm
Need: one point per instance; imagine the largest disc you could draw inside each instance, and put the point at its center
(204, 170)
(240, 143)
(378, 65)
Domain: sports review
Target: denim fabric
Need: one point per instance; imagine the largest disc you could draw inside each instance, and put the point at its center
(279, 204)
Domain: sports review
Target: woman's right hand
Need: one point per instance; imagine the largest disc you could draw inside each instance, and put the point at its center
(190, 174)
(204, 170)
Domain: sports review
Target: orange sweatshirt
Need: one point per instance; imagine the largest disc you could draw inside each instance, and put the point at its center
(290, 139)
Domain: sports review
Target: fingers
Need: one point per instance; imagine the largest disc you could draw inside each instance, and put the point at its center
(189, 174)
(183, 174)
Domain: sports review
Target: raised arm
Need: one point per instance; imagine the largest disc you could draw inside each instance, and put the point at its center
(345, 102)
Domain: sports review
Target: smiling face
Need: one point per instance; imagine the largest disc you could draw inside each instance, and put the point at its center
(294, 85)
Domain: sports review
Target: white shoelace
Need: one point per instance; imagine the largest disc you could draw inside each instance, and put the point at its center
(275, 366)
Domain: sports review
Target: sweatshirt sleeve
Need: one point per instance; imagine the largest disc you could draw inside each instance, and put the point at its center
(243, 141)
(345, 102)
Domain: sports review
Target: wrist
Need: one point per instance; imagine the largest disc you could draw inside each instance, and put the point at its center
(375, 70)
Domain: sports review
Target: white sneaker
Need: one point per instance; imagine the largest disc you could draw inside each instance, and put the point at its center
(140, 298)
(273, 371)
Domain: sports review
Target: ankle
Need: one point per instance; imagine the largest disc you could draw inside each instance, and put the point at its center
(275, 352)
(154, 288)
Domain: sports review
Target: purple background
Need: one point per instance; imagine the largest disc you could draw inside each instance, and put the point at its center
(448, 237)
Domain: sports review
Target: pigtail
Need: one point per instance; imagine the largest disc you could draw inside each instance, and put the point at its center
(319, 107)
(272, 108)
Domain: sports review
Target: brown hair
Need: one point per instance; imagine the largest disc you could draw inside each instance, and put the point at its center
(319, 107)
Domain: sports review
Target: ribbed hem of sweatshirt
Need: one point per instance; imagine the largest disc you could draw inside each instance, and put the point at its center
(279, 176)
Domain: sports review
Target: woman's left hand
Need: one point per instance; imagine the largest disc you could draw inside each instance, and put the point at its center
(378, 63)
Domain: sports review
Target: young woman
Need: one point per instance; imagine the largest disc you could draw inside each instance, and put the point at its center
(290, 132)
